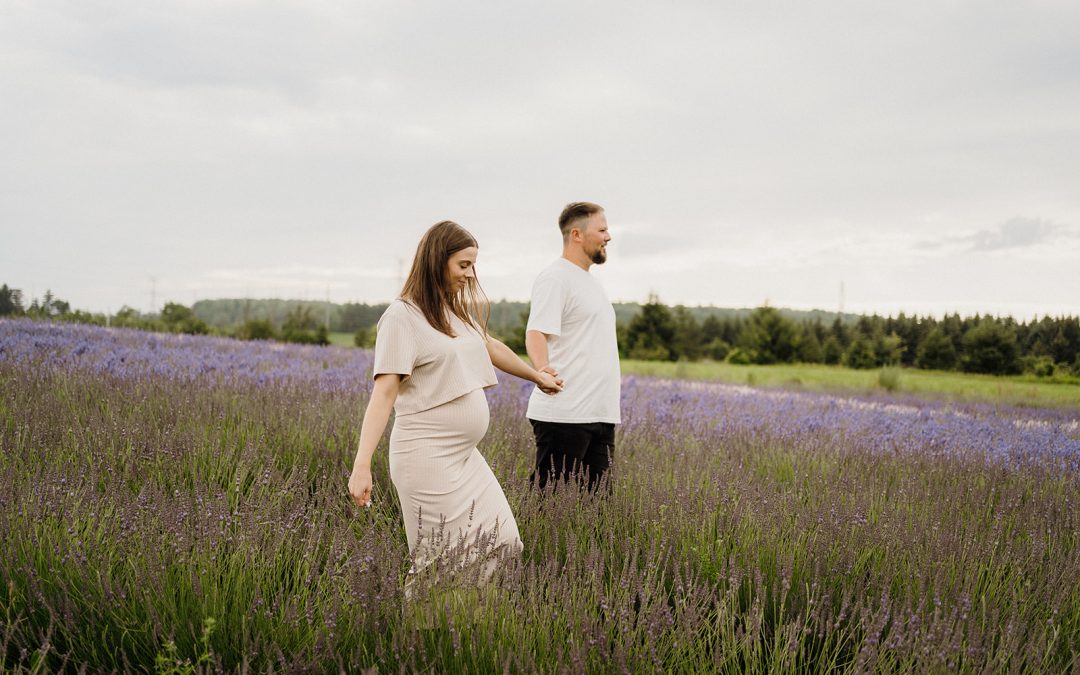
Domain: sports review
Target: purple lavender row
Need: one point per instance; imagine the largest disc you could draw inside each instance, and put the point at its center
(132, 354)
(720, 413)
(715, 412)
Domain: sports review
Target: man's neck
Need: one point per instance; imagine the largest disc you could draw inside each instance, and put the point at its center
(578, 257)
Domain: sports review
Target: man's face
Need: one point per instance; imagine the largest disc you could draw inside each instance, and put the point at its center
(595, 237)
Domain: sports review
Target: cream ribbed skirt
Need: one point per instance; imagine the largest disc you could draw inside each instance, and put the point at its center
(450, 499)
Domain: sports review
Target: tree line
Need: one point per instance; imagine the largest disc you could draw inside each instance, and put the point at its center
(979, 344)
(654, 331)
(299, 322)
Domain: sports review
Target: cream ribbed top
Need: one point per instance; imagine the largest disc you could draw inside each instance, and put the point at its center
(436, 368)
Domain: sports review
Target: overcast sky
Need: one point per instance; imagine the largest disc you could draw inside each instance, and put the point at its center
(923, 155)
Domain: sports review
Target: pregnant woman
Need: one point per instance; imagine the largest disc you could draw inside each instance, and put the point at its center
(433, 359)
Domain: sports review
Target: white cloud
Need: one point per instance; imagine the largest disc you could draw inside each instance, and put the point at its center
(1015, 233)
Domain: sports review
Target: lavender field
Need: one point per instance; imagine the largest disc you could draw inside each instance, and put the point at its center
(178, 504)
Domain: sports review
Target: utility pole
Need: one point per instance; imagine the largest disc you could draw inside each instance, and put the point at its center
(841, 309)
(153, 293)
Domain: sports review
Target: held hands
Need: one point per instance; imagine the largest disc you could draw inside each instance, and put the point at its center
(548, 381)
(360, 486)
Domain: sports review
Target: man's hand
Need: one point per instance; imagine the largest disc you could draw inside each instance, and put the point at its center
(548, 380)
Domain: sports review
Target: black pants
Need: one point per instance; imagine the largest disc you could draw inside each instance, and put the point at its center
(565, 449)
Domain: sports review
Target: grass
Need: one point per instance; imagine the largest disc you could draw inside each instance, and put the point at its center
(1019, 390)
(342, 339)
(197, 524)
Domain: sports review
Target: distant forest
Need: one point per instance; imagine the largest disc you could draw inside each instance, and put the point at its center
(506, 316)
(653, 331)
(1045, 347)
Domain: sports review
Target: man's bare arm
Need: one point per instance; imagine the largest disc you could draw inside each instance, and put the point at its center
(536, 347)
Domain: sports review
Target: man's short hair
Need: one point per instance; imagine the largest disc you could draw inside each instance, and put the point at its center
(574, 213)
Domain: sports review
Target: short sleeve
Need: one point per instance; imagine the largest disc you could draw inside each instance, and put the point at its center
(395, 343)
(545, 312)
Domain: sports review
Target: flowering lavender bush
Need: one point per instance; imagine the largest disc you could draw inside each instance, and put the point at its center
(178, 503)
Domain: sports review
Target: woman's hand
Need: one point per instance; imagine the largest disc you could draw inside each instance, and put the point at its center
(360, 486)
(375, 417)
(503, 358)
(548, 381)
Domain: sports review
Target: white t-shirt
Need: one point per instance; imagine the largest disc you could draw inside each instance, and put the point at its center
(571, 307)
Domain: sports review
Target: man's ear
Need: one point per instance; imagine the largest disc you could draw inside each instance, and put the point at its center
(576, 234)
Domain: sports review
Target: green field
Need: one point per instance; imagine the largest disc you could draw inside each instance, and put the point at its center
(342, 339)
(1021, 390)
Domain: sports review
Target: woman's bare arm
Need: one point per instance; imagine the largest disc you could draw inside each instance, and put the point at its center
(375, 418)
(504, 358)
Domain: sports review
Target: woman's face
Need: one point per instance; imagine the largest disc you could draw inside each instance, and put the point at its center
(461, 268)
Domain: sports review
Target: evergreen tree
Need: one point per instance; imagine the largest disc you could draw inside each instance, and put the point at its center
(868, 325)
(651, 332)
(936, 351)
(717, 349)
(733, 328)
(911, 331)
(713, 332)
(687, 340)
(769, 337)
(1060, 348)
(711, 329)
(839, 331)
(887, 349)
(10, 301)
(1070, 327)
(810, 350)
(860, 354)
(832, 351)
(48, 307)
(990, 347)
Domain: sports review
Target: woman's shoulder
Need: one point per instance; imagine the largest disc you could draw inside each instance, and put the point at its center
(400, 310)
(400, 306)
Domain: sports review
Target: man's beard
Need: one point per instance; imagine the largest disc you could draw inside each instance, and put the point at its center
(599, 256)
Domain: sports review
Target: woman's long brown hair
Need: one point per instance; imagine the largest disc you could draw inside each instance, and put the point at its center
(428, 284)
